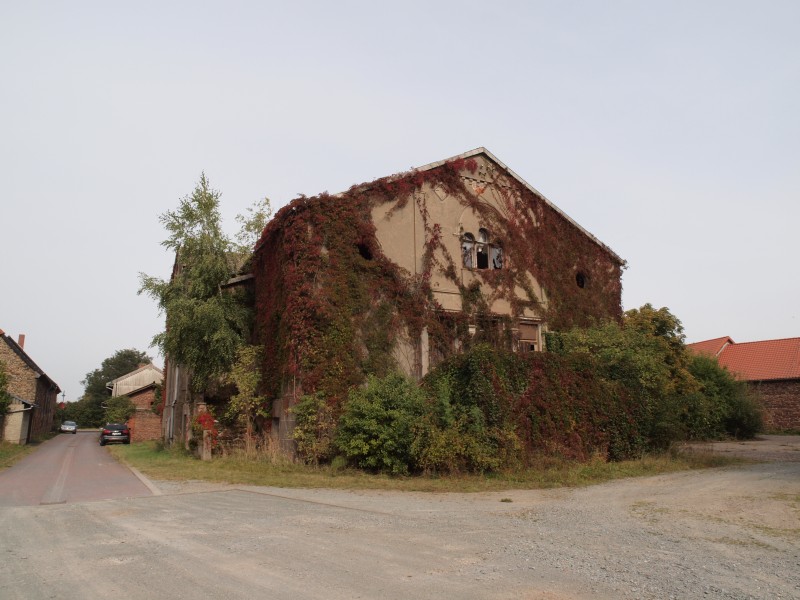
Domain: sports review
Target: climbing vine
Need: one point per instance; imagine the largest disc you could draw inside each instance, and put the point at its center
(330, 304)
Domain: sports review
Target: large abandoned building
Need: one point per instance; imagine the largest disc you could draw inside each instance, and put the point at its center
(400, 273)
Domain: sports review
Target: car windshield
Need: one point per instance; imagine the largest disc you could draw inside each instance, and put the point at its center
(69, 422)
(116, 426)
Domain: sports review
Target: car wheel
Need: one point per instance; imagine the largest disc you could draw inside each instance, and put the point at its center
(102, 443)
(126, 442)
(74, 432)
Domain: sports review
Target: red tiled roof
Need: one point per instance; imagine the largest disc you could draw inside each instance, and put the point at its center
(710, 347)
(757, 361)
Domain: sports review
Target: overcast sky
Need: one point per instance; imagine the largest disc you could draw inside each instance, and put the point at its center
(670, 130)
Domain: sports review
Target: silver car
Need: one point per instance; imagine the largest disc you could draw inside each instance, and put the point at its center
(69, 427)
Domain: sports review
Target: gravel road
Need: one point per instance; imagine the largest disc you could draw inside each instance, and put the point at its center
(724, 533)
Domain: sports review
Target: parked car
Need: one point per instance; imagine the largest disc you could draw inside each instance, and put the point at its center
(115, 433)
(69, 427)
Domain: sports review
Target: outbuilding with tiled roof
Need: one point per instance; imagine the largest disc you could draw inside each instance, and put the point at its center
(771, 367)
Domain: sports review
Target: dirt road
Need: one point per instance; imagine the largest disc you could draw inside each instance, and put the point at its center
(723, 533)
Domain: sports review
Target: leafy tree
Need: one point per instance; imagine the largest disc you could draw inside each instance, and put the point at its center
(119, 409)
(89, 411)
(5, 397)
(206, 325)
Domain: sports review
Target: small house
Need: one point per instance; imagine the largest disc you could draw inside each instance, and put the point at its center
(33, 394)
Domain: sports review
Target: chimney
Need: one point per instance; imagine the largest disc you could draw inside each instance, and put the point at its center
(21, 341)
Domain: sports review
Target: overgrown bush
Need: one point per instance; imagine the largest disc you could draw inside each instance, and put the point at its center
(119, 409)
(569, 410)
(723, 405)
(314, 429)
(646, 355)
(376, 428)
(468, 424)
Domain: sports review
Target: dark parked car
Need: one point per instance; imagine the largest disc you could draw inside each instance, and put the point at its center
(69, 427)
(115, 433)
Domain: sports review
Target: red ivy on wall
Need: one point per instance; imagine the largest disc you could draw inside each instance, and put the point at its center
(329, 303)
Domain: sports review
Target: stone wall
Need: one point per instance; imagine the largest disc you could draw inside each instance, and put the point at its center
(781, 402)
(24, 383)
(21, 378)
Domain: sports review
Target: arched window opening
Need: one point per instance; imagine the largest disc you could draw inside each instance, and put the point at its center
(482, 249)
(467, 247)
(496, 256)
(480, 254)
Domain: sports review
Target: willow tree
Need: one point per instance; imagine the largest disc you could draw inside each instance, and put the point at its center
(205, 323)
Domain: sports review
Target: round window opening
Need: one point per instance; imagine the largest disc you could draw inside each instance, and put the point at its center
(581, 280)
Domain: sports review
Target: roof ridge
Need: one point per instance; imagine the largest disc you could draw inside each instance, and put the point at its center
(786, 339)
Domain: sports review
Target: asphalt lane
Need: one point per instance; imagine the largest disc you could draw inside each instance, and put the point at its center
(68, 468)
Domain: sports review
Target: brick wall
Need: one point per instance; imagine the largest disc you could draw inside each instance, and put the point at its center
(143, 399)
(145, 425)
(781, 402)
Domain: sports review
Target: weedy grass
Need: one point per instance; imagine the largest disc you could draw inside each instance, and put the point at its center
(11, 453)
(270, 470)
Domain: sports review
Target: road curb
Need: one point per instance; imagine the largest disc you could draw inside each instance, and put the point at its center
(149, 484)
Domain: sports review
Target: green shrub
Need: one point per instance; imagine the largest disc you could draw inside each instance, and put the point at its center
(314, 429)
(645, 354)
(569, 410)
(119, 409)
(463, 445)
(724, 406)
(376, 427)
(469, 420)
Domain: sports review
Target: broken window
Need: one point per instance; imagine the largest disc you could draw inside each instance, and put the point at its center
(467, 246)
(480, 253)
(482, 249)
(496, 252)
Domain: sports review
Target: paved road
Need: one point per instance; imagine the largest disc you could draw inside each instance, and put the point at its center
(68, 468)
(729, 533)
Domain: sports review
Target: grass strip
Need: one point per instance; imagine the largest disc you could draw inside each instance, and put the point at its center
(178, 465)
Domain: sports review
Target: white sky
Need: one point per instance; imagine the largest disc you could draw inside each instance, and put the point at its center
(670, 130)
